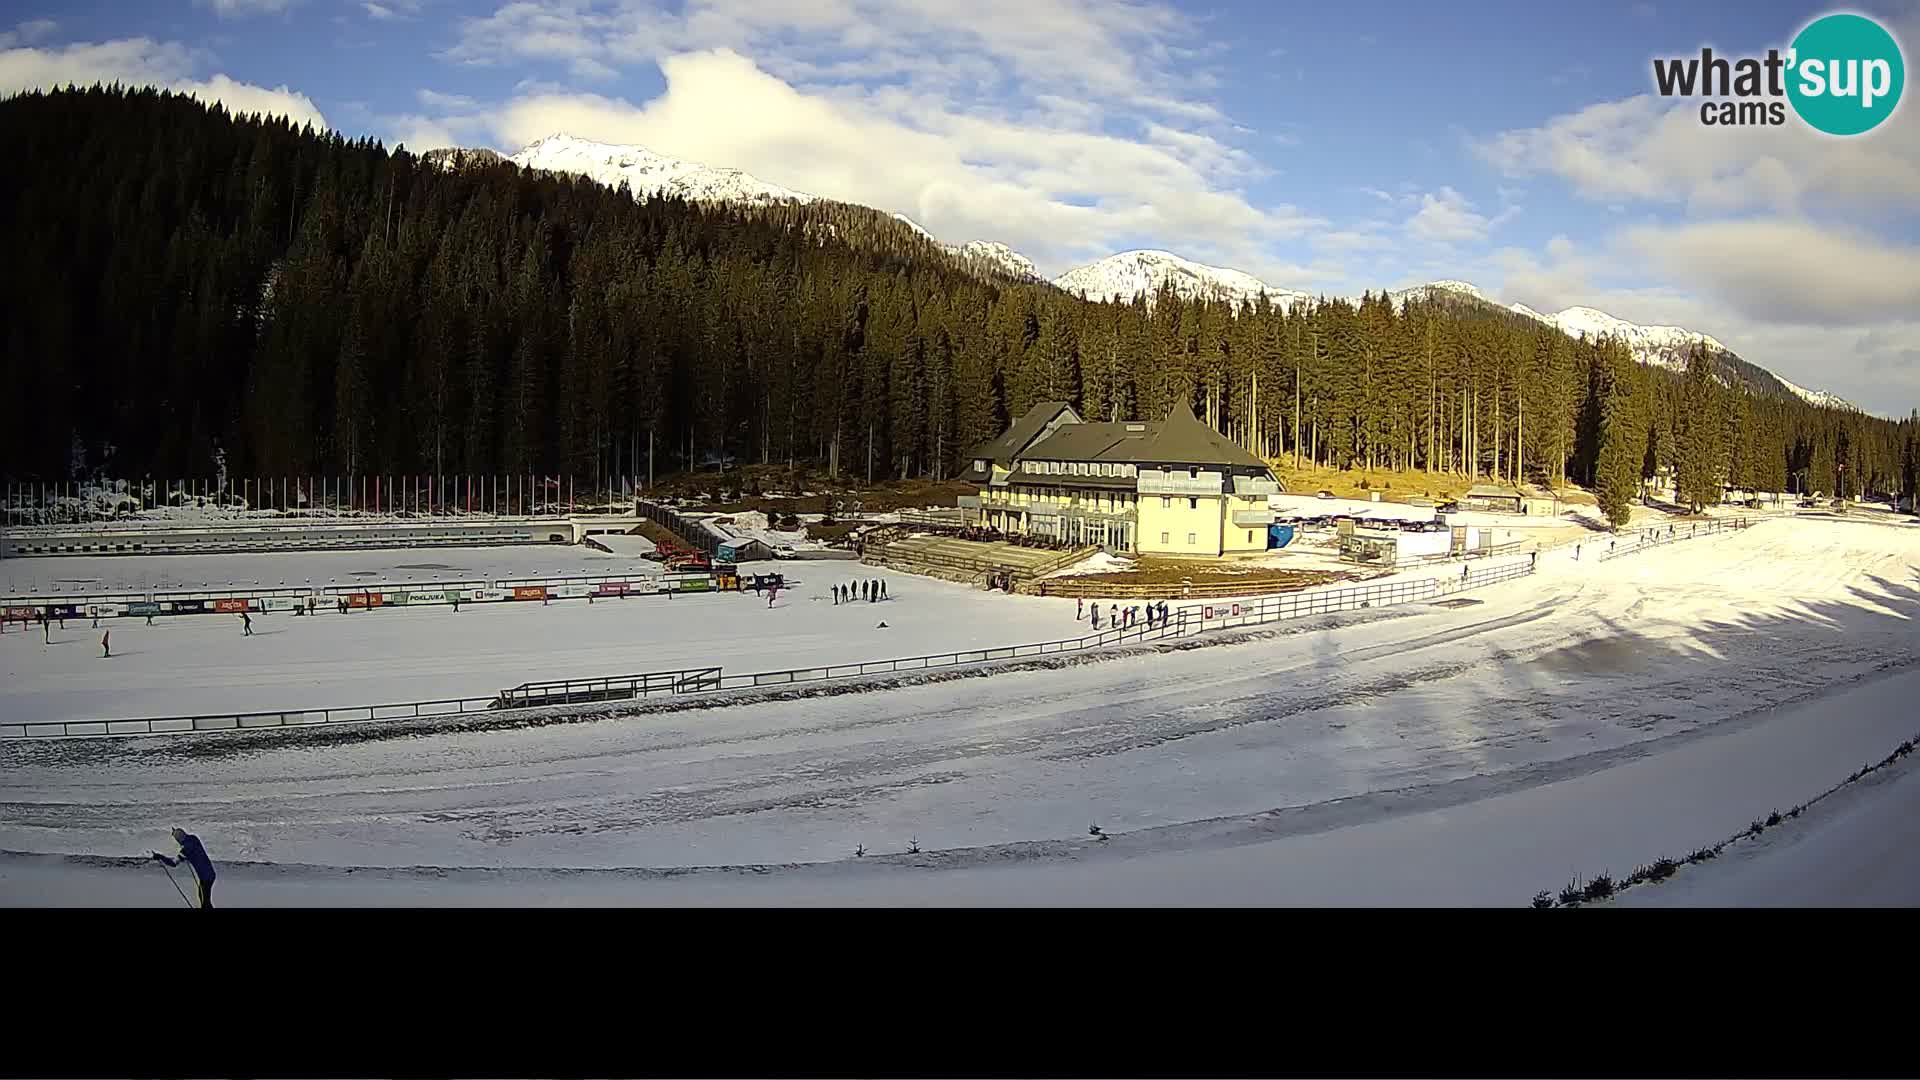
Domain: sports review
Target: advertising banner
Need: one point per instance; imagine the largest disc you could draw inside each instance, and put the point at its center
(143, 608)
(187, 607)
(572, 590)
(281, 603)
(365, 600)
(230, 604)
(529, 592)
(611, 588)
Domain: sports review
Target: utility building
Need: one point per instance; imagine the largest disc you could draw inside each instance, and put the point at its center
(1171, 487)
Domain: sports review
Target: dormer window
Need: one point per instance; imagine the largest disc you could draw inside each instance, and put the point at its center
(1193, 472)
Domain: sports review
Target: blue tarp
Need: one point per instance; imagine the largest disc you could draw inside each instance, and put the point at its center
(1279, 536)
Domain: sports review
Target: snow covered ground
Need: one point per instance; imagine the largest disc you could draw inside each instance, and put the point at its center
(1855, 848)
(1591, 717)
(200, 664)
(107, 573)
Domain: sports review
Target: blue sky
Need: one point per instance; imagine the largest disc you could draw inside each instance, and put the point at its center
(1323, 147)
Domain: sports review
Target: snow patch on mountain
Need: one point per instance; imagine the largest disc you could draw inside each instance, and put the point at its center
(999, 256)
(650, 174)
(1130, 273)
(1816, 397)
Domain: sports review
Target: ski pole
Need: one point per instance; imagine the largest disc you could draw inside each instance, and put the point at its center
(176, 885)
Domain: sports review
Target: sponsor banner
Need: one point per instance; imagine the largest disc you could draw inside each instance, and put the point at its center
(143, 608)
(69, 611)
(365, 600)
(231, 604)
(572, 590)
(692, 585)
(281, 603)
(425, 596)
(529, 592)
(483, 595)
(188, 607)
(102, 611)
(1236, 609)
(611, 588)
(23, 614)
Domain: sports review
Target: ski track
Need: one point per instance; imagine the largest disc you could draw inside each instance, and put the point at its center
(1550, 676)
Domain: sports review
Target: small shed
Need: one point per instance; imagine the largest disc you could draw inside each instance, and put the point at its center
(740, 550)
(1496, 497)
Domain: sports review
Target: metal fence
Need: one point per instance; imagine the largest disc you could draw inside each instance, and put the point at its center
(1673, 534)
(1181, 622)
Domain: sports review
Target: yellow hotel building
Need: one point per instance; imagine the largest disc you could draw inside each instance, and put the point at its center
(1173, 487)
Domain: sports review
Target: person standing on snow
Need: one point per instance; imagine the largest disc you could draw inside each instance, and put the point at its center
(105, 649)
(1079, 609)
(194, 854)
(772, 592)
(246, 625)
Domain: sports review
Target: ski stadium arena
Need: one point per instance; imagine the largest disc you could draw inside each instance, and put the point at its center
(525, 711)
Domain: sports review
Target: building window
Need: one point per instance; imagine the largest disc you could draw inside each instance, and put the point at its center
(1163, 538)
(1166, 502)
(1193, 472)
(1193, 504)
(1249, 536)
(1191, 542)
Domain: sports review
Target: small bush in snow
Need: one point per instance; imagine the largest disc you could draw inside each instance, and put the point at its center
(860, 851)
(1599, 888)
(1570, 894)
(1543, 899)
(1773, 819)
(913, 846)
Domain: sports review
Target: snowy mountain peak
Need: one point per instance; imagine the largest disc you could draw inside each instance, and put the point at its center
(648, 173)
(1000, 257)
(1662, 346)
(1130, 273)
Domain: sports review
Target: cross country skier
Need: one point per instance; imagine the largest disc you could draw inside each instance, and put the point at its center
(772, 592)
(246, 625)
(105, 649)
(194, 854)
(46, 629)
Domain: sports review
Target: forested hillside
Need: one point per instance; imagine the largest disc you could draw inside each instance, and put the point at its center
(180, 280)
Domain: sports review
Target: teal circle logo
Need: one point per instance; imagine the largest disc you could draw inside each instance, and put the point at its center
(1846, 74)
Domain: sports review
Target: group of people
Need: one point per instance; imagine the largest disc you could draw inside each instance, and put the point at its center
(1119, 618)
(872, 590)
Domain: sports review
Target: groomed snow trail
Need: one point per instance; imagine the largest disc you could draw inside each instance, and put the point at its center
(1584, 669)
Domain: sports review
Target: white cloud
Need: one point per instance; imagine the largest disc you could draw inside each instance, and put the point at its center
(1448, 217)
(1788, 271)
(586, 67)
(1061, 194)
(433, 99)
(380, 12)
(28, 32)
(143, 62)
(1646, 149)
(233, 9)
(1713, 279)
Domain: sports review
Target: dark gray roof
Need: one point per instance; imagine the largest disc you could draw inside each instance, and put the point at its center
(1015, 439)
(1179, 439)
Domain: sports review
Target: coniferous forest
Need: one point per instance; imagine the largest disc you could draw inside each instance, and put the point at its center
(182, 282)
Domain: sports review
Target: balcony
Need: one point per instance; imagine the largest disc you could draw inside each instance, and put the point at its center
(1253, 519)
(1157, 482)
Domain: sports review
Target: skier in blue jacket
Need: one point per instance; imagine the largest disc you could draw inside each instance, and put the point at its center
(194, 854)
